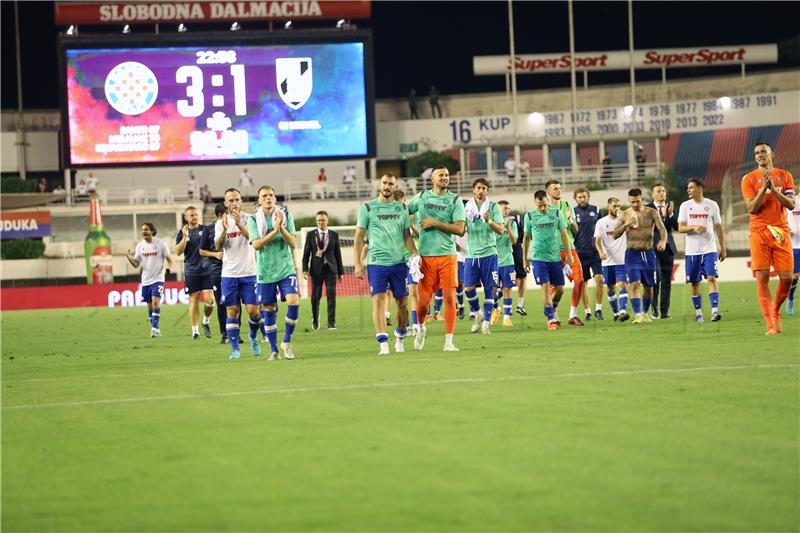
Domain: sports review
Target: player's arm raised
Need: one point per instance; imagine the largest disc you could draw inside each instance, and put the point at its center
(288, 236)
(622, 225)
(134, 263)
(753, 203)
(180, 246)
(511, 229)
(662, 230)
(221, 234)
(787, 200)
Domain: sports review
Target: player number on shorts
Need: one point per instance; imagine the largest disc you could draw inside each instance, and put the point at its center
(293, 279)
(495, 278)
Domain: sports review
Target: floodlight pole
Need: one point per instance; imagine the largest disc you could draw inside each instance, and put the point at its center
(513, 90)
(573, 147)
(631, 152)
(21, 152)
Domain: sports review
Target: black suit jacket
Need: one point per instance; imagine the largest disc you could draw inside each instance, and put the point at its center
(670, 223)
(332, 256)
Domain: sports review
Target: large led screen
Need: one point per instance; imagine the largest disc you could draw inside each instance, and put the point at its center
(183, 104)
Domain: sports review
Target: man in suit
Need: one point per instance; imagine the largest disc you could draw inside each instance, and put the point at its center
(665, 259)
(322, 259)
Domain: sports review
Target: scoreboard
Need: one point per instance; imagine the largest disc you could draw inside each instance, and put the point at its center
(259, 97)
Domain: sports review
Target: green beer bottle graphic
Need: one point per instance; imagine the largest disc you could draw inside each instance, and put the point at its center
(99, 262)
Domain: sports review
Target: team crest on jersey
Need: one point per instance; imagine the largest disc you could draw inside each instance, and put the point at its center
(293, 75)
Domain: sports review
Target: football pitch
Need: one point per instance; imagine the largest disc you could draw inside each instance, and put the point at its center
(667, 426)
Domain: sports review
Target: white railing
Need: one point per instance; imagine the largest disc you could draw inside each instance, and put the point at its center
(127, 195)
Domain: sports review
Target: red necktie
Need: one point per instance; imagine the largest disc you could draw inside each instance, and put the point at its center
(661, 211)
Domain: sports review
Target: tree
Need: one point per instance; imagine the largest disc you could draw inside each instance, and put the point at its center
(417, 164)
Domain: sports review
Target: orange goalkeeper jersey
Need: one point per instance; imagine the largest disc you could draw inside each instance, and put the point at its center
(771, 213)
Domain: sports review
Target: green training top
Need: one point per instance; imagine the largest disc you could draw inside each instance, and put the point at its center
(274, 260)
(386, 223)
(505, 254)
(563, 206)
(481, 240)
(447, 208)
(544, 229)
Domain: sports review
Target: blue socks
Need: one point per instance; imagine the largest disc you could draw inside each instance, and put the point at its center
(714, 298)
(646, 302)
(507, 305)
(697, 302)
(292, 312)
(460, 296)
(264, 324)
(155, 316)
(623, 300)
(637, 305)
(488, 307)
(437, 301)
(549, 312)
(472, 298)
(792, 289)
(612, 301)
(272, 330)
(232, 329)
(254, 327)
(413, 316)
(382, 337)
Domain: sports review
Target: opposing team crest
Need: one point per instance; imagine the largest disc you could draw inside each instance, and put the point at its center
(294, 80)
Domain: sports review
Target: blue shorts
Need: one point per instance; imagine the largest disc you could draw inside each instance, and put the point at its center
(614, 274)
(267, 293)
(197, 283)
(481, 271)
(640, 265)
(382, 278)
(796, 253)
(701, 266)
(461, 271)
(235, 290)
(548, 272)
(154, 290)
(508, 276)
(590, 262)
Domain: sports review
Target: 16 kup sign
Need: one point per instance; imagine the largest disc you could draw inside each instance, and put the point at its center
(620, 60)
(156, 12)
(27, 224)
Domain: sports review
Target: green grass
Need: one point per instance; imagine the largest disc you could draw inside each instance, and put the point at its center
(667, 426)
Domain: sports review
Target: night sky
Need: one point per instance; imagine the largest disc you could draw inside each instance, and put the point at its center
(422, 43)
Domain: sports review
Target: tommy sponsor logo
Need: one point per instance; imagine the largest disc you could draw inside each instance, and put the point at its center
(544, 226)
(149, 254)
(698, 215)
(435, 207)
(233, 234)
(388, 217)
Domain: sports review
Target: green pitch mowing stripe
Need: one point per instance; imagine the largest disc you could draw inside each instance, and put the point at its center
(667, 426)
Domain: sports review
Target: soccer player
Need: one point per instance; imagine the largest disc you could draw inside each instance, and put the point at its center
(153, 256)
(238, 271)
(586, 217)
(215, 270)
(637, 224)
(699, 218)
(505, 263)
(196, 278)
(553, 188)
(520, 264)
(413, 293)
(545, 226)
(768, 192)
(271, 233)
(793, 218)
(484, 224)
(388, 224)
(612, 254)
(440, 215)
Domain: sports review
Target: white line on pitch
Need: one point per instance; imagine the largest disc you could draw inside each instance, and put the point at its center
(358, 386)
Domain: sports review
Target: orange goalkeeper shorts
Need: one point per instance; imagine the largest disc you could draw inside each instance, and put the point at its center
(768, 249)
(439, 272)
